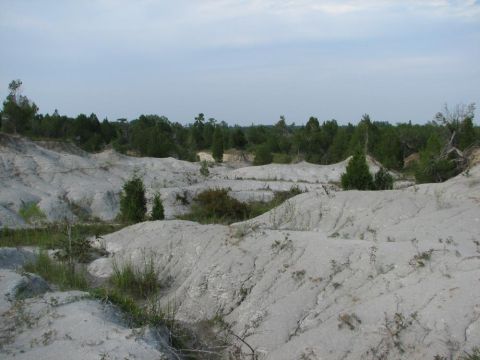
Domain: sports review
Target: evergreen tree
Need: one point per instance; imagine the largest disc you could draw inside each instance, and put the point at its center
(158, 212)
(238, 138)
(18, 111)
(263, 155)
(467, 134)
(217, 144)
(133, 204)
(357, 175)
(383, 180)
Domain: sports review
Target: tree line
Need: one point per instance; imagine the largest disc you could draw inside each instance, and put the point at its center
(318, 142)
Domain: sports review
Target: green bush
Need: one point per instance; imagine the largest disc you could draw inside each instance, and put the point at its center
(133, 204)
(383, 180)
(216, 206)
(357, 175)
(431, 169)
(280, 158)
(204, 168)
(31, 213)
(263, 155)
(77, 248)
(217, 144)
(158, 212)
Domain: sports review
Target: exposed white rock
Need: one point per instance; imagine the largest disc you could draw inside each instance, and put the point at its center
(350, 275)
(63, 180)
(61, 325)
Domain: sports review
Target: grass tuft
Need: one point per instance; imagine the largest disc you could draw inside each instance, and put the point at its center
(62, 274)
(140, 282)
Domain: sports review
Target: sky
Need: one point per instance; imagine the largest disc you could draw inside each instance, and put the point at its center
(243, 61)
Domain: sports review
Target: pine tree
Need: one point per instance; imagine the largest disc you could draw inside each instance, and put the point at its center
(263, 155)
(357, 175)
(217, 144)
(158, 212)
(383, 180)
(133, 204)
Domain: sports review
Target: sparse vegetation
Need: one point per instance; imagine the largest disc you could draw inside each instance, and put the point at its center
(53, 235)
(473, 355)
(60, 273)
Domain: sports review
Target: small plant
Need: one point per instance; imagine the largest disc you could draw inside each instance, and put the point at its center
(285, 244)
(182, 198)
(31, 213)
(140, 282)
(298, 275)
(357, 175)
(133, 204)
(420, 259)
(396, 326)
(158, 213)
(79, 249)
(204, 168)
(383, 180)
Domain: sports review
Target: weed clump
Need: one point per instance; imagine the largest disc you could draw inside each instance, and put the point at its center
(140, 282)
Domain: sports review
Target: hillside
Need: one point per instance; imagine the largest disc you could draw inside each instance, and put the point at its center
(326, 275)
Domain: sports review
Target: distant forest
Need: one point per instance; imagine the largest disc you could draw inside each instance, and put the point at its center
(318, 142)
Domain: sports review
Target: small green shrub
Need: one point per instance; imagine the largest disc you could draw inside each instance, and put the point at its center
(204, 168)
(383, 180)
(60, 273)
(31, 213)
(158, 213)
(357, 175)
(133, 204)
(263, 155)
(76, 248)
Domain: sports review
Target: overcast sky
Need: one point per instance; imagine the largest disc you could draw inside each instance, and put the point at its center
(243, 61)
